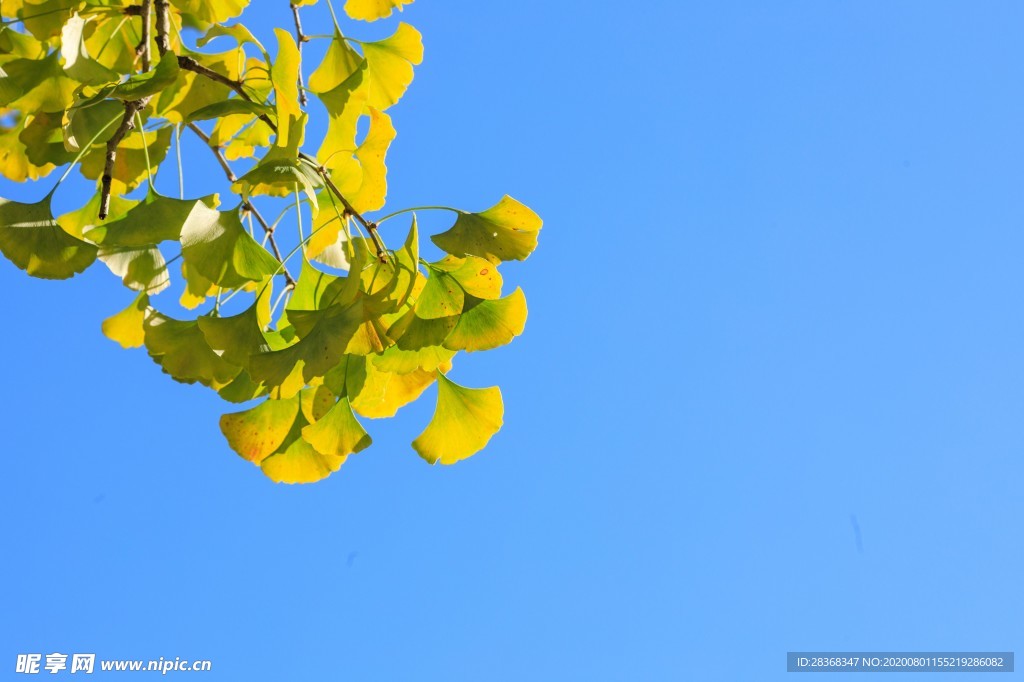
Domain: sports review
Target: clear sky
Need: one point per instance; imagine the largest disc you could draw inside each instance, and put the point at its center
(770, 396)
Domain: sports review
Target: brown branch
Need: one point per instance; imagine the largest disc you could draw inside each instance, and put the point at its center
(191, 64)
(143, 48)
(163, 26)
(246, 204)
(300, 38)
(127, 124)
(371, 227)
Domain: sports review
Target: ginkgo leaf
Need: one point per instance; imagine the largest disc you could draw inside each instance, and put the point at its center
(77, 62)
(82, 220)
(284, 73)
(197, 288)
(281, 171)
(476, 276)
(484, 325)
(43, 138)
(372, 10)
(373, 186)
(146, 84)
(441, 297)
(192, 91)
(206, 12)
(142, 269)
(239, 32)
(390, 63)
(14, 162)
(156, 219)
(33, 240)
(299, 462)
(43, 18)
(217, 246)
(237, 337)
(340, 62)
(338, 432)
(381, 394)
(257, 433)
(464, 421)
(345, 104)
(180, 348)
(506, 231)
(399, 361)
(229, 107)
(41, 84)
(130, 165)
(127, 327)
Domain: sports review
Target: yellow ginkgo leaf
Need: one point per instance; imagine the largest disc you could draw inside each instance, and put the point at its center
(300, 463)
(390, 65)
(372, 10)
(257, 433)
(463, 422)
(337, 433)
(127, 327)
(285, 74)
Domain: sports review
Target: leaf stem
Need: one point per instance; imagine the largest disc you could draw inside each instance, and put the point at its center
(389, 216)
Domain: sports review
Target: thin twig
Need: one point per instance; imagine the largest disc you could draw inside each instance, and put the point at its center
(143, 48)
(191, 64)
(127, 124)
(300, 38)
(371, 227)
(246, 204)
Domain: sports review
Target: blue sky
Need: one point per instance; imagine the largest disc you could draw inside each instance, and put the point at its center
(776, 308)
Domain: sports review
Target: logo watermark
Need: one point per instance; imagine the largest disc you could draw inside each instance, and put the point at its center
(54, 663)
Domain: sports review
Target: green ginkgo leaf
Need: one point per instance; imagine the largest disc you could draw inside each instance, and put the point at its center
(43, 18)
(464, 421)
(237, 337)
(338, 432)
(217, 246)
(33, 240)
(180, 348)
(506, 231)
(40, 84)
(127, 327)
(146, 84)
(43, 138)
(142, 269)
(484, 325)
(156, 219)
(257, 433)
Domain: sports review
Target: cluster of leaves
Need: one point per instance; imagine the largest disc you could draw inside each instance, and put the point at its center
(108, 85)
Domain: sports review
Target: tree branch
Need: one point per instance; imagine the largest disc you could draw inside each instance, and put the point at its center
(300, 38)
(163, 26)
(127, 124)
(191, 64)
(246, 204)
(143, 48)
(371, 227)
